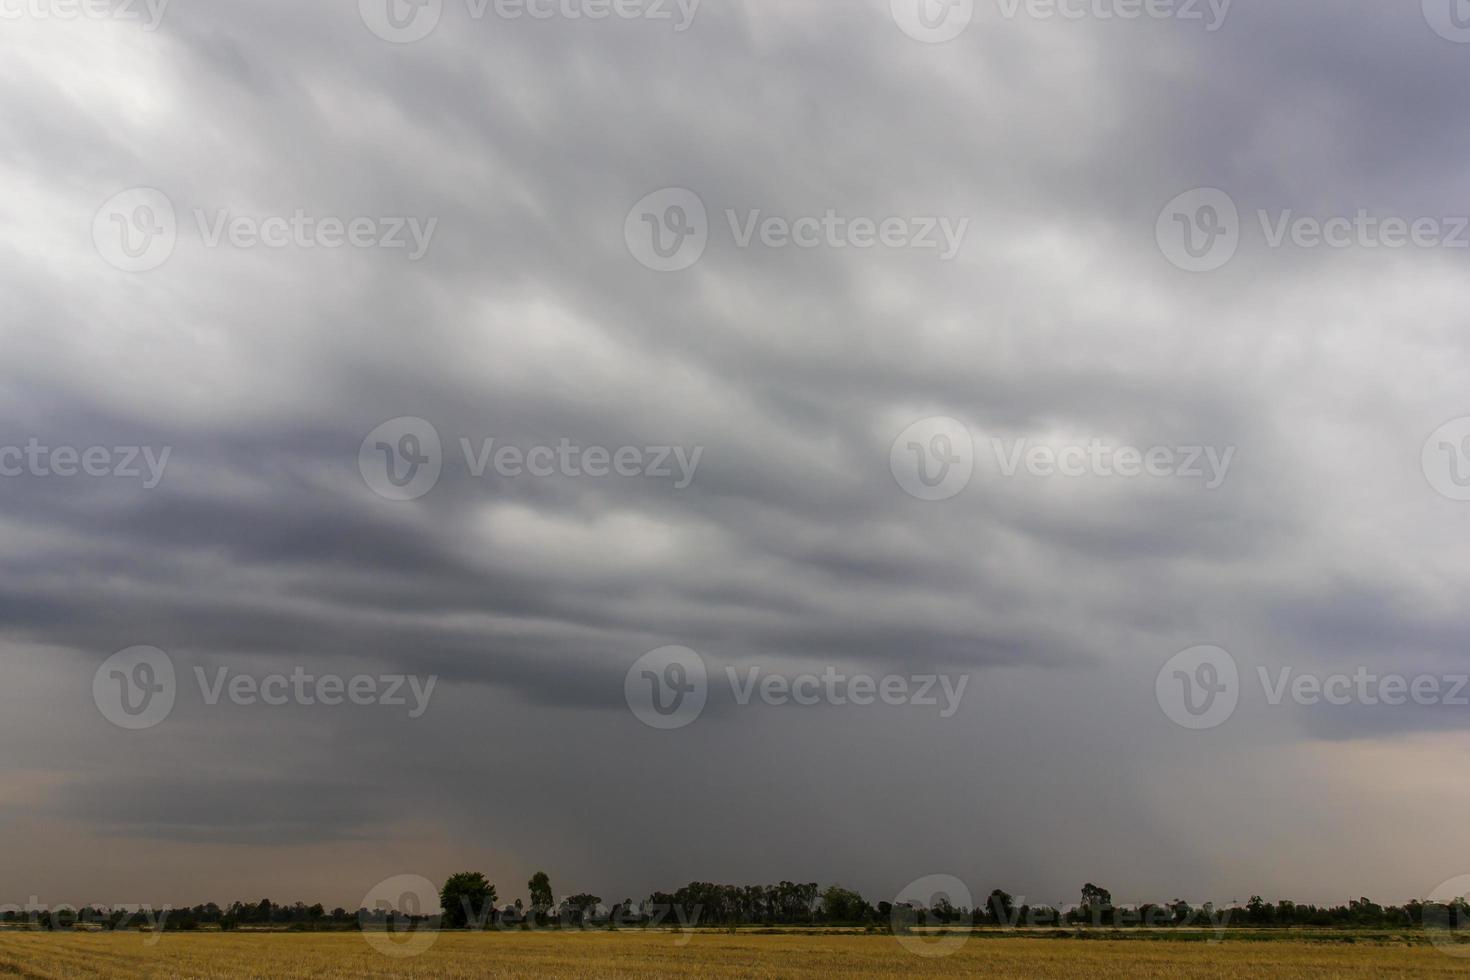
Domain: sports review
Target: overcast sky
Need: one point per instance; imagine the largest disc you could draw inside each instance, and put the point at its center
(1028, 292)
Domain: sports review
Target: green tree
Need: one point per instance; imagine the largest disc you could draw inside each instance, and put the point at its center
(843, 905)
(1002, 904)
(540, 889)
(465, 898)
(1097, 903)
(583, 906)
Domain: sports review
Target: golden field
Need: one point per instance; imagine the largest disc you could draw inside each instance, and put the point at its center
(62, 956)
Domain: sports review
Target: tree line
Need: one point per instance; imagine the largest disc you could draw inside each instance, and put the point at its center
(469, 900)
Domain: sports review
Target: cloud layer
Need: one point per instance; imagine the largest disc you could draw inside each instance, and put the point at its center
(1060, 321)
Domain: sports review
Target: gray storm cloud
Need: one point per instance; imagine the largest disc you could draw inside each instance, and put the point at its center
(526, 320)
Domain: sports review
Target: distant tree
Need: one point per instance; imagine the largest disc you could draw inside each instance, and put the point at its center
(1364, 911)
(540, 889)
(467, 897)
(582, 906)
(1097, 902)
(619, 912)
(1000, 907)
(944, 910)
(843, 905)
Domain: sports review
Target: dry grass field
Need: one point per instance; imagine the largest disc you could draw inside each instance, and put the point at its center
(636, 955)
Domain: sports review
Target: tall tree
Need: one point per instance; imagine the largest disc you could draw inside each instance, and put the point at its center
(1097, 904)
(540, 889)
(1002, 906)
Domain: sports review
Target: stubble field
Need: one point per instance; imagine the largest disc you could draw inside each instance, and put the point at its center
(62, 956)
